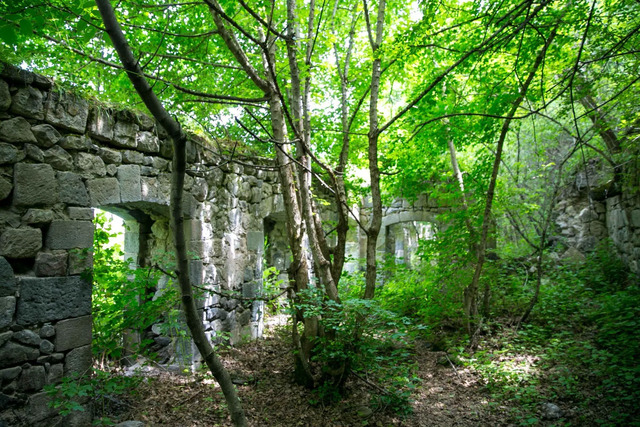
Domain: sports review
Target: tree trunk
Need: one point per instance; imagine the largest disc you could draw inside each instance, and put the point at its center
(177, 182)
(471, 292)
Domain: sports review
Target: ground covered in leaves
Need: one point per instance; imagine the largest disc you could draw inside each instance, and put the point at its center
(449, 394)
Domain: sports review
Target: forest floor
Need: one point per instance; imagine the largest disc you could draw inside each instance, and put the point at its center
(446, 395)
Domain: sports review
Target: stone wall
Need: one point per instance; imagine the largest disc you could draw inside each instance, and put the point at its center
(591, 209)
(61, 156)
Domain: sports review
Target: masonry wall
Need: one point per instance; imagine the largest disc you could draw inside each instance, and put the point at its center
(61, 156)
(591, 210)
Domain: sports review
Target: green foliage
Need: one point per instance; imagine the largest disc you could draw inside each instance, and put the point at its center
(124, 298)
(101, 388)
(373, 342)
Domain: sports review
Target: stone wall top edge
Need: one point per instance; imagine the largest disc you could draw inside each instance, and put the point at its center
(18, 77)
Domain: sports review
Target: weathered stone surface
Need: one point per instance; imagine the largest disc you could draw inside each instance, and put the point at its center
(124, 134)
(34, 153)
(101, 124)
(85, 214)
(67, 111)
(73, 333)
(20, 242)
(17, 130)
(72, 189)
(32, 379)
(55, 298)
(5, 336)
(28, 102)
(7, 310)
(5, 96)
(47, 331)
(130, 424)
(110, 156)
(132, 157)
(10, 373)
(80, 261)
(13, 354)
(9, 154)
(34, 185)
(51, 264)
(37, 216)
(56, 372)
(8, 284)
(104, 191)
(90, 166)
(75, 142)
(112, 170)
(46, 135)
(39, 410)
(5, 188)
(27, 337)
(129, 179)
(70, 234)
(78, 361)
(148, 142)
(46, 347)
(58, 158)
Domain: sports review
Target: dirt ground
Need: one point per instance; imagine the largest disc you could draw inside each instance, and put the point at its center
(446, 395)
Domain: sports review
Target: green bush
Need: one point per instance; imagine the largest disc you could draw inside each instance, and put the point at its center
(124, 297)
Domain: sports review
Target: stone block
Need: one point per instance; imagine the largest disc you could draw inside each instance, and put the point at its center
(17, 130)
(110, 156)
(34, 185)
(39, 409)
(10, 374)
(101, 124)
(73, 333)
(80, 261)
(111, 170)
(5, 188)
(255, 241)
(85, 214)
(8, 284)
(5, 96)
(47, 331)
(130, 186)
(90, 166)
(37, 216)
(104, 191)
(75, 142)
(14, 354)
(72, 189)
(70, 234)
(51, 264)
(57, 157)
(46, 347)
(132, 157)
(27, 337)
(55, 374)
(67, 111)
(46, 135)
(5, 336)
(78, 361)
(9, 154)
(32, 379)
(20, 242)
(148, 142)
(7, 310)
(55, 298)
(635, 218)
(124, 134)
(34, 153)
(28, 102)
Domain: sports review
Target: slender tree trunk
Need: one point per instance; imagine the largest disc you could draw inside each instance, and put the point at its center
(471, 292)
(177, 182)
(374, 171)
